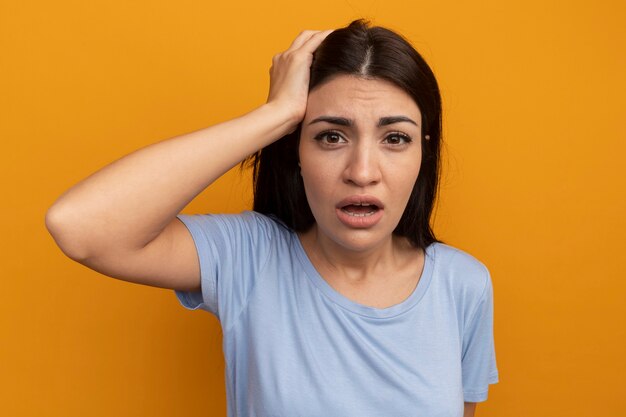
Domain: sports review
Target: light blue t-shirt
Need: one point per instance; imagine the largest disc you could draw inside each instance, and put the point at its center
(295, 347)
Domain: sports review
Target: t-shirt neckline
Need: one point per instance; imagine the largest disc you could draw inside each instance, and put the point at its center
(361, 309)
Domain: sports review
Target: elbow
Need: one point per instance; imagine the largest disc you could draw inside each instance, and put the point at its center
(65, 235)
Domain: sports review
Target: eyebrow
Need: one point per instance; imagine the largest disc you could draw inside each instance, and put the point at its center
(342, 121)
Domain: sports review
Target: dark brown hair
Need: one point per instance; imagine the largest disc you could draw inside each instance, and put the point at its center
(370, 52)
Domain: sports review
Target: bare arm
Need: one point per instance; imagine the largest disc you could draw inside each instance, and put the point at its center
(469, 409)
(121, 220)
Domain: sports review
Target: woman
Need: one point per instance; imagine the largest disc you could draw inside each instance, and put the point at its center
(334, 296)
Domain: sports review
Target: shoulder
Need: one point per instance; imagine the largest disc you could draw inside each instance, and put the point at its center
(245, 222)
(461, 270)
(465, 279)
(269, 225)
(455, 259)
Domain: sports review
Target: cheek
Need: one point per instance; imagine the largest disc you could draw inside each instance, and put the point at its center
(317, 174)
(319, 188)
(315, 183)
(403, 174)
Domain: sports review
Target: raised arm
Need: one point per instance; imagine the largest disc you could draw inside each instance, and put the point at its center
(121, 220)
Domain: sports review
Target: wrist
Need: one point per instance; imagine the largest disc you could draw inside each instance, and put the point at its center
(287, 118)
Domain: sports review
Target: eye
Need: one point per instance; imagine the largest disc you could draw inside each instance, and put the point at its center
(329, 137)
(398, 138)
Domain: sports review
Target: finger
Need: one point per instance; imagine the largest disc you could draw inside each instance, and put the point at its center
(311, 44)
(304, 36)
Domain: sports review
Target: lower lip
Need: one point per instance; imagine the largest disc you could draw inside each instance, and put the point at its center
(359, 222)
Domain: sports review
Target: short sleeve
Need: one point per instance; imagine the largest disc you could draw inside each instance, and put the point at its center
(479, 357)
(231, 249)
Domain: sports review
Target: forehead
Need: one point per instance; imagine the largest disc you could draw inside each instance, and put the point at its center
(357, 97)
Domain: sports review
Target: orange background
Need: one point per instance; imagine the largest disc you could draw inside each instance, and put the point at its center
(533, 186)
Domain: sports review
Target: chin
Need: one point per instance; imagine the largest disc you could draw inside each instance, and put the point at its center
(358, 240)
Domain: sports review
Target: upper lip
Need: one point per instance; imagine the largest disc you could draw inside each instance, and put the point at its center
(360, 200)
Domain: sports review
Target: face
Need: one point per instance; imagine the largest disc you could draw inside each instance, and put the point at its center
(360, 154)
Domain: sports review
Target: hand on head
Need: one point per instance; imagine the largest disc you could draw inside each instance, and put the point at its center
(290, 71)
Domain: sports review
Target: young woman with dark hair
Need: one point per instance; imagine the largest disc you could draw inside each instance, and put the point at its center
(368, 53)
(334, 296)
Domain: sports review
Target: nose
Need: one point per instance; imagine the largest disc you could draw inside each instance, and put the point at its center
(362, 165)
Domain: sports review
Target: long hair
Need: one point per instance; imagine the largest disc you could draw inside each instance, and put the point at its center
(372, 52)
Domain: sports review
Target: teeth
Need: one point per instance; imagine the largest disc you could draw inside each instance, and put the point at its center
(359, 214)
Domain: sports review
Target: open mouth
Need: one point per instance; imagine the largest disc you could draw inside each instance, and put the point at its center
(360, 209)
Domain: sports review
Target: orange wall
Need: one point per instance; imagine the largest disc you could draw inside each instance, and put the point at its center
(533, 186)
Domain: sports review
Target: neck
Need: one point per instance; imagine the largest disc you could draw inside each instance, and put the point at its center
(352, 266)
